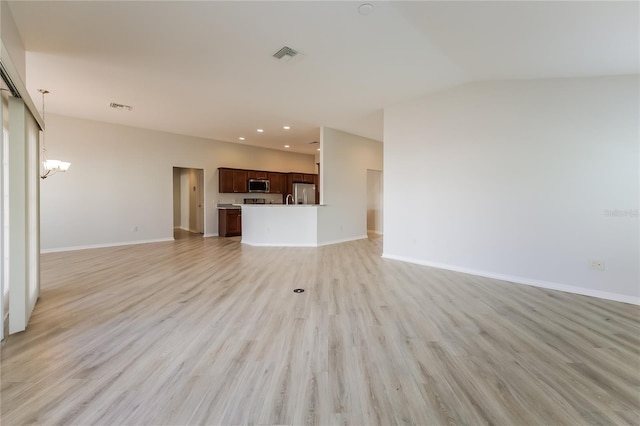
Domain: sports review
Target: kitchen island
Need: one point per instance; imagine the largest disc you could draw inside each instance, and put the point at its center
(279, 225)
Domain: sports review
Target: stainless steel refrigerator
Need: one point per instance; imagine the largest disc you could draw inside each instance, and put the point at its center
(304, 193)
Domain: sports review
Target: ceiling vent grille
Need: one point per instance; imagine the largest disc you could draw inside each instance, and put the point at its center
(285, 53)
(121, 106)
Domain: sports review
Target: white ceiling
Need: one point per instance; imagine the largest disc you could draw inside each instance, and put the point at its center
(205, 68)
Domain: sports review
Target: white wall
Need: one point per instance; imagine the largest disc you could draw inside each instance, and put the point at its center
(122, 176)
(12, 41)
(344, 161)
(514, 180)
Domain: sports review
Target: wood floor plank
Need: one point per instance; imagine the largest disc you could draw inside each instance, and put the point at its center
(209, 331)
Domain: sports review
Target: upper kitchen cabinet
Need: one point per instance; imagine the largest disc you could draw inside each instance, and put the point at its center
(277, 182)
(235, 180)
(256, 174)
(302, 178)
(232, 180)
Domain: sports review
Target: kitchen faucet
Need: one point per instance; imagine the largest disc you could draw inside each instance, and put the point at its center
(287, 199)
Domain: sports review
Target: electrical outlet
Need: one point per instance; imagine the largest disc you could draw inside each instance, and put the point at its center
(596, 264)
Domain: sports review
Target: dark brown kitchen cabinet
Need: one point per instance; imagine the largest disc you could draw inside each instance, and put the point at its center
(235, 180)
(277, 182)
(289, 183)
(296, 177)
(292, 178)
(302, 178)
(256, 174)
(229, 222)
(232, 180)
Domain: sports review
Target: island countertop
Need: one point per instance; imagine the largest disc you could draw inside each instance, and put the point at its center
(280, 225)
(228, 206)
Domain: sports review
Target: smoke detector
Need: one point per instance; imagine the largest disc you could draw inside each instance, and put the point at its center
(285, 54)
(121, 106)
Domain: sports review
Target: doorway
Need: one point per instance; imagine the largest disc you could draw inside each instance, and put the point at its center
(374, 201)
(188, 202)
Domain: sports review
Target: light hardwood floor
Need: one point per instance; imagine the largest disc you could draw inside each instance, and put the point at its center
(208, 331)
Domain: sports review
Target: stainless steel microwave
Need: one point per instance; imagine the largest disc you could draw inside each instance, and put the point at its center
(258, 185)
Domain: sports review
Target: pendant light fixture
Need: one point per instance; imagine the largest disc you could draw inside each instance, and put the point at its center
(49, 167)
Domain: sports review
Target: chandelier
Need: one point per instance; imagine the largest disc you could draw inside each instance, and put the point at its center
(49, 167)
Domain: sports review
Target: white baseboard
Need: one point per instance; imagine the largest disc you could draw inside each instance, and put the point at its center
(522, 280)
(93, 246)
(210, 235)
(5, 326)
(344, 240)
(249, 243)
(320, 244)
(182, 228)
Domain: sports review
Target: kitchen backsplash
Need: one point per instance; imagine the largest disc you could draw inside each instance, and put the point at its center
(239, 198)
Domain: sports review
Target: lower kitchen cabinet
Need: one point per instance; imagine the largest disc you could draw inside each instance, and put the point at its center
(229, 222)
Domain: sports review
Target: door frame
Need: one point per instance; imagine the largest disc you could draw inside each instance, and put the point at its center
(200, 216)
(375, 181)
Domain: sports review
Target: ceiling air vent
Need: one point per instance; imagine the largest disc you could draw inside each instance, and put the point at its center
(285, 54)
(121, 106)
(313, 143)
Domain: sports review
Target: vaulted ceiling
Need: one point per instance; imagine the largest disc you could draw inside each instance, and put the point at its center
(205, 68)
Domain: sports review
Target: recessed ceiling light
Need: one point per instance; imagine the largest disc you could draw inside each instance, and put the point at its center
(286, 146)
(365, 9)
(318, 149)
(241, 138)
(286, 127)
(260, 130)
